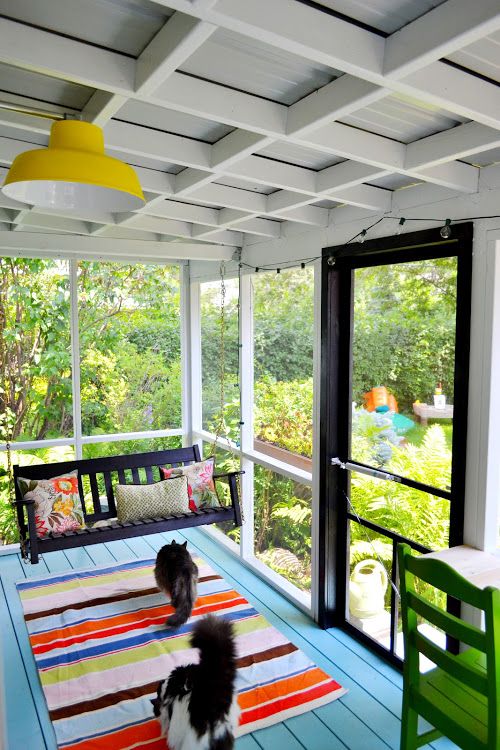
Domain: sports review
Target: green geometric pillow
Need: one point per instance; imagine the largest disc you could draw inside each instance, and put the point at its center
(134, 502)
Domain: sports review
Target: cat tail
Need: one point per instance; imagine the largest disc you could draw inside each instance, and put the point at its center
(214, 637)
(183, 597)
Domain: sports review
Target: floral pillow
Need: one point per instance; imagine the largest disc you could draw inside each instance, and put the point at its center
(57, 502)
(201, 487)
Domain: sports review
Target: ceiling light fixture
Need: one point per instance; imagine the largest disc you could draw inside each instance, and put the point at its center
(73, 172)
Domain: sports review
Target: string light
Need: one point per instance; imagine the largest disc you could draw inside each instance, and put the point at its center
(445, 232)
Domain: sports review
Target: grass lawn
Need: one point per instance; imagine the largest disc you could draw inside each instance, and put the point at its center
(417, 433)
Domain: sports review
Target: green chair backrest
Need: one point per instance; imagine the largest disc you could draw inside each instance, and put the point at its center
(444, 578)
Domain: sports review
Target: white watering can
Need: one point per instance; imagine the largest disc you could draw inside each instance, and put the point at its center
(367, 587)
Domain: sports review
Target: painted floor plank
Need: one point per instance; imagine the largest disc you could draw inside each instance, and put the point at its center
(247, 742)
(359, 720)
(277, 737)
(313, 733)
(23, 726)
(13, 570)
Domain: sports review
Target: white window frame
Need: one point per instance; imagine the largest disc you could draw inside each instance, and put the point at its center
(246, 452)
(78, 440)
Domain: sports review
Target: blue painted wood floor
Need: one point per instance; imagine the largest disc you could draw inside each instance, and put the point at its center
(366, 718)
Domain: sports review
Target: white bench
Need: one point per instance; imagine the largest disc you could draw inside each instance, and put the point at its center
(424, 412)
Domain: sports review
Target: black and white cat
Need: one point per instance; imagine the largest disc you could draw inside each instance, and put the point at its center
(177, 576)
(197, 704)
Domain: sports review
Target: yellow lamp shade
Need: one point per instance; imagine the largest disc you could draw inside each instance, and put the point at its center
(73, 173)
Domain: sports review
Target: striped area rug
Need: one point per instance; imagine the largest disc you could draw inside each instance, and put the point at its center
(100, 646)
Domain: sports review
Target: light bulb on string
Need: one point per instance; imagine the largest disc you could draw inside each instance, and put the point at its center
(362, 235)
(400, 225)
(445, 231)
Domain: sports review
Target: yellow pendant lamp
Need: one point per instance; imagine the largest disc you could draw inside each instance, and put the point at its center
(73, 173)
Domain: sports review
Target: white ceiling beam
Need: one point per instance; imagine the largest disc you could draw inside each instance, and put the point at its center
(294, 27)
(216, 235)
(103, 248)
(284, 200)
(217, 102)
(54, 55)
(320, 37)
(345, 175)
(359, 145)
(235, 146)
(231, 216)
(437, 34)
(44, 221)
(226, 151)
(455, 175)
(154, 181)
(450, 88)
(180, 36)
(156, 224)
(313, 215)
(223, 195)
(169, 209)
(275, 173)
(176, 41)
(141, 141)
(457, 143)
(190, 180)
(365, 196)
(264, 227)
(337, 99)
(102, 106)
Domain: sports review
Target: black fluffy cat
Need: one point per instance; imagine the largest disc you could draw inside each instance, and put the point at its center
(197, 704)
(177, 576)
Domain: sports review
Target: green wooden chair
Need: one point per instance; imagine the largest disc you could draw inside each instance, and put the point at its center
(460, 696)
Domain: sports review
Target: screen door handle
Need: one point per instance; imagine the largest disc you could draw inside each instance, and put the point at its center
(350, 466)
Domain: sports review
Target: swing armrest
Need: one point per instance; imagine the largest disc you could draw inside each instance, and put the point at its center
(23, 501)
(233, 491)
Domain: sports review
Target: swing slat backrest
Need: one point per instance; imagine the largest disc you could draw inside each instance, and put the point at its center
(108, 472)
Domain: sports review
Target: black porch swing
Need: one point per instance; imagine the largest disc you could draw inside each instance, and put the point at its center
(99, 473)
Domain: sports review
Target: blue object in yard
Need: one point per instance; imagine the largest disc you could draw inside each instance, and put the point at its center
(401, 423)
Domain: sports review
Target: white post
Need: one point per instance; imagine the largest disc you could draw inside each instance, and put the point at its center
(247, 398)
(482, 486)
(186, 353)
(75, 357)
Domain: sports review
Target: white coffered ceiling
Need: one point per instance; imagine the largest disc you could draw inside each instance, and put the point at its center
(242, 115)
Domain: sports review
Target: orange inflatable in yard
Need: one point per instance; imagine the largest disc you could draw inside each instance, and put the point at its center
(378, 397)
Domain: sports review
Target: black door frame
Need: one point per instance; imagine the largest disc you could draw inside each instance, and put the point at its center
(338, 265)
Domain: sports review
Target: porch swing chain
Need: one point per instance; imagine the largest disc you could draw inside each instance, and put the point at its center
(221, 423)
(8, 425)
